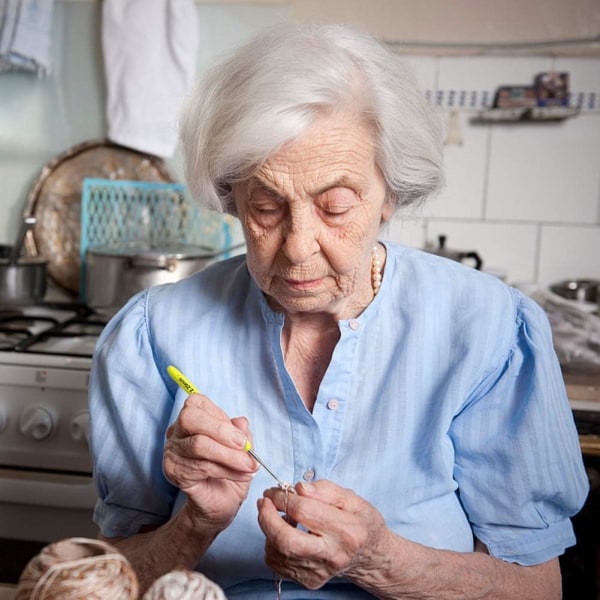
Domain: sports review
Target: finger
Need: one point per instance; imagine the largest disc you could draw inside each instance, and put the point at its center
(185, 473)
(200, 416)
(242, 424)
(199, 456)
(342, 516)
(279, 532)
(329, 493)
(292, 553)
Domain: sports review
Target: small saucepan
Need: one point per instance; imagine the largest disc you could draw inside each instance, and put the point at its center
(580, 290)
(23, 280)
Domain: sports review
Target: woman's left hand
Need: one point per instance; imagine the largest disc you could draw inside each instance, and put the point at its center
(342, 533)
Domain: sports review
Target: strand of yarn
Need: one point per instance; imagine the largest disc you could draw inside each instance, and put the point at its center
(78, 569)
(287, 488)
(184, 585)
(375, 270)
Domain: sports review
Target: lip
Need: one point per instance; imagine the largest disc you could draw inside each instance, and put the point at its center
(303, 284)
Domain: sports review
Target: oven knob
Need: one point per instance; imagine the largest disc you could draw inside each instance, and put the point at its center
(36, 422)
(79, 426)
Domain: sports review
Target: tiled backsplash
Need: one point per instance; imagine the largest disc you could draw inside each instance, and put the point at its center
(525, 196)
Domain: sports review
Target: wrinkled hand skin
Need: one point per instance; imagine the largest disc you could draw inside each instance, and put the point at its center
(204, 457)
(343, 535)
(346, 535)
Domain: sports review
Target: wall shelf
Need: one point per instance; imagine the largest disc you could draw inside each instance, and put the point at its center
(525, 114)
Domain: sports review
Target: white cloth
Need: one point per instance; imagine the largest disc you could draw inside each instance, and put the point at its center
(150, 49)
(25, 35)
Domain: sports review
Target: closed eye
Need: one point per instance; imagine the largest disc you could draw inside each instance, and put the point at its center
(266, 205)
(337, 202)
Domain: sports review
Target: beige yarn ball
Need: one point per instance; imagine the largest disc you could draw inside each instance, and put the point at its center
(184, 585)
(78, 569)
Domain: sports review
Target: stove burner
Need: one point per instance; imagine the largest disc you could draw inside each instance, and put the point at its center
(23, 322)
(51, 328)
(9, 340)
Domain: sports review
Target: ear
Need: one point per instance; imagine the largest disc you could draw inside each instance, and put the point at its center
(387, 211)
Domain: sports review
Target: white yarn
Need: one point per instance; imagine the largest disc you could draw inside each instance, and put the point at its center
(78, 569)
(184, 585)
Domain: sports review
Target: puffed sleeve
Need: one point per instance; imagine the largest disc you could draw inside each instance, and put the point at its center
(129, 412)
(518, 462)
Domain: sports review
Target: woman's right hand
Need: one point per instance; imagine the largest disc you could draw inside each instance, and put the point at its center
(204, 457)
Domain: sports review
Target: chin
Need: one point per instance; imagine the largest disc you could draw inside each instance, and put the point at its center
(297, 304)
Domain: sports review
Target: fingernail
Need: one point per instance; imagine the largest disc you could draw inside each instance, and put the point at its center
(308, 488)
(238, 438)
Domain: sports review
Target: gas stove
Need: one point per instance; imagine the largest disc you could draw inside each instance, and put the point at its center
(46, 487)
(45, 358)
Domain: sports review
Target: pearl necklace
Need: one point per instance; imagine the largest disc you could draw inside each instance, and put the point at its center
(375, 269)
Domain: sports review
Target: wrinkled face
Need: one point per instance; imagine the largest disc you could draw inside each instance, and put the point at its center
(311, 216)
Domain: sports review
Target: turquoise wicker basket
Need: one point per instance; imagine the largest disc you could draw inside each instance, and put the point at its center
(120, 212)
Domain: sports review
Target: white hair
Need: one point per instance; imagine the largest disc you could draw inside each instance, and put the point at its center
(271, 90)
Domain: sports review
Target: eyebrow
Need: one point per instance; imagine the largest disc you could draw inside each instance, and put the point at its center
(256, 183)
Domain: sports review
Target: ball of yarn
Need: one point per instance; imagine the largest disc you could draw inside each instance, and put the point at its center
(78, 569)
(184, 585)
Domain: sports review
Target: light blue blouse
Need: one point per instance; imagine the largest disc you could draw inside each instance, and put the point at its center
(443, 405)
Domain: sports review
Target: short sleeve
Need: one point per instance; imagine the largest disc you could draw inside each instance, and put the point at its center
(518, 463)
(129, 411)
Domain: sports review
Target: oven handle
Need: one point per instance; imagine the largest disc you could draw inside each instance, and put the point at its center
(62, 490)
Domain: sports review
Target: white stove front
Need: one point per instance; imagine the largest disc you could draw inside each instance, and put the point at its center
(46, 487)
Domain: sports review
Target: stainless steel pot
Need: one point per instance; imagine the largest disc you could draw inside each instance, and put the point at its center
(23, 283)
(22, 280)
(113, 275)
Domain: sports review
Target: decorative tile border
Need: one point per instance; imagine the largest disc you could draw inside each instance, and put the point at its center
(480, 99)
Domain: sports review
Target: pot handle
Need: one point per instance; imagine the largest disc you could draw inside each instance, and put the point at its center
(474, 256)
(152, 262)
(15, 252)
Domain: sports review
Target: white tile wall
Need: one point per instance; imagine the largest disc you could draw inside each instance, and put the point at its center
(545, 173)
(466, 172)
(525, 196)
(569, 251)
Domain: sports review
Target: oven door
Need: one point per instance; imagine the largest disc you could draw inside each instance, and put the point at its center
(37, 508)
(46, 506)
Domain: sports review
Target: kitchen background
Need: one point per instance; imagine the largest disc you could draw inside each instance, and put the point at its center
(525, 196)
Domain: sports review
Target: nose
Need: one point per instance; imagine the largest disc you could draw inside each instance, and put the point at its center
(300, 236)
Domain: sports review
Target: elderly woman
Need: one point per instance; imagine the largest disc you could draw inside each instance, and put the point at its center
(417, 403)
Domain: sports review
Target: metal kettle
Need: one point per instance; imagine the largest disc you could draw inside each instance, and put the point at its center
(469, 257)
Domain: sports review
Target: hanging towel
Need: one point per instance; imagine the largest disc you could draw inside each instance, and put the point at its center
(149, 51)
(25, 32)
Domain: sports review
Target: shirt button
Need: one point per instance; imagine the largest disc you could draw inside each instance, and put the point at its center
(354, 324)
(333, 404)
(309, 475)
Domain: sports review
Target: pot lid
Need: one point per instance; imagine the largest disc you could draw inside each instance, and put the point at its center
(25, 261)
(172, 251)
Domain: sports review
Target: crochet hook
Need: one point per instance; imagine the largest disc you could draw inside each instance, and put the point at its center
(187, 386)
